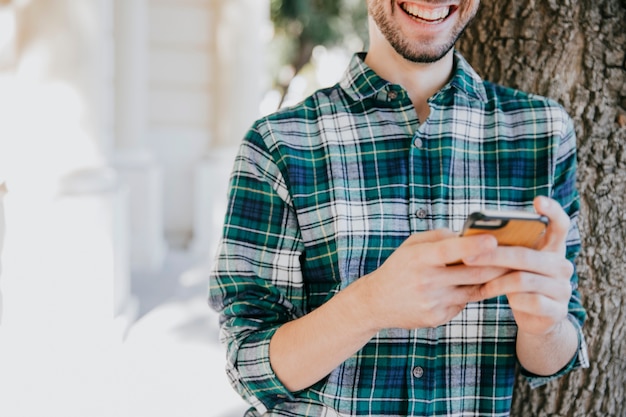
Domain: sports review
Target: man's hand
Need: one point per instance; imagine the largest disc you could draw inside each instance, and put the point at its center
(412, 289)
(538, 289)
(538, 284)
(415, 289)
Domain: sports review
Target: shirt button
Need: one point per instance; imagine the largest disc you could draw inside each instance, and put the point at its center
(418, 143)
(421, 214)
(392, 95)
(418, 372)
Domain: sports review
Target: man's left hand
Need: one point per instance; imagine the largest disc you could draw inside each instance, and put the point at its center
(538, 282)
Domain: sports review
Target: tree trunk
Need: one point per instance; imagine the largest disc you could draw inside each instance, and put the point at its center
(573, 52)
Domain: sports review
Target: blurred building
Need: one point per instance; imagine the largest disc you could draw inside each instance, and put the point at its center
(118, 125)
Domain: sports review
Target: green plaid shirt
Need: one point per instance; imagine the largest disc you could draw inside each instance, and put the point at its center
(322, 193)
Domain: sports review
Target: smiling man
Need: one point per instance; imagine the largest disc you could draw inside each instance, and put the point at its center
(334, 279)
(421, 32)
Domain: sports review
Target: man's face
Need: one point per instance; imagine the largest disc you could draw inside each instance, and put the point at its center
(422, 30)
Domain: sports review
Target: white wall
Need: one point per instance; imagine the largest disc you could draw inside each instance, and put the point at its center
(203, 78)
(65, 278)
(180, 105)
(65, 264)
(206, 81)
(2, 226)
(7, 57)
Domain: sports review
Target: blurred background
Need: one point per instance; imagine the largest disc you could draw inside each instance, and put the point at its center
(119, 120)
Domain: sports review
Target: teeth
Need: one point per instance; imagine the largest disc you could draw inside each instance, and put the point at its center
(426, 14)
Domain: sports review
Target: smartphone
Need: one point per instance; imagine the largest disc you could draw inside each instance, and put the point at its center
(511, 228)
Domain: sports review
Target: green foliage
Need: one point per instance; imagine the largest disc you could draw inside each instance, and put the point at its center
(313, 20)
(301, 25)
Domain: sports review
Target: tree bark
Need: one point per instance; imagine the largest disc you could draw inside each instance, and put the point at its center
(574, 52)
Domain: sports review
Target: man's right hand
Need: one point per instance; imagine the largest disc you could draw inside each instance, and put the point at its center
(413, 289)
(416, 287)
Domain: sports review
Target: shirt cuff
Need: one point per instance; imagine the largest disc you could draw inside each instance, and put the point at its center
(580, 360)
(256, 373)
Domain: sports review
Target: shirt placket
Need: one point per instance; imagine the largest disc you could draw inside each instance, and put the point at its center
(420, 205)
(421, 372)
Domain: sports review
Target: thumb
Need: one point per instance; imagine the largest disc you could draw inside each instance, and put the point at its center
(558, 226)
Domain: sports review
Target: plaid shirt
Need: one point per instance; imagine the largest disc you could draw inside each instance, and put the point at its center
(322, 193)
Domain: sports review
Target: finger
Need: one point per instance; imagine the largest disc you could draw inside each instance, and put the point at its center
(519, 282)
(431, 236)
(458, 297)
(558, 227)
(475, 293)
(525, 259)
(452, 249)
(537, 305)
(463, 275)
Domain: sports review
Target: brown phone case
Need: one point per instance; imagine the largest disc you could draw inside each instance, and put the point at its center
(510, 228)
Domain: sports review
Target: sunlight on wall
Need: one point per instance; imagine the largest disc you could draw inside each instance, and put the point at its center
(7, 35)
(43, 138)
(7, 49)
(65, 260)
(59, 259)
(57, 278)
(42, 143)
(239, 93)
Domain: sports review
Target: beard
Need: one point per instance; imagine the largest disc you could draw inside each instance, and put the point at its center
(423, 52)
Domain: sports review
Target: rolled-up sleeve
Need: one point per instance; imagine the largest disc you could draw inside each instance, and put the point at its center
(256, 280)
(565, 192)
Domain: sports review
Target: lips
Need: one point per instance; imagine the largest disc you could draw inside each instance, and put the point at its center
(427, 14)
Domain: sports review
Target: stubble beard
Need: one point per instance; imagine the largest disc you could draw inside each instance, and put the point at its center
(423, 53)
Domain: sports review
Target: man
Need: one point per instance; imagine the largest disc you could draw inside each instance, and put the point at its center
(334, 277)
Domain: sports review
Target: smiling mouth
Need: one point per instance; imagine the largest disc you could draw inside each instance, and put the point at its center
(428, 15)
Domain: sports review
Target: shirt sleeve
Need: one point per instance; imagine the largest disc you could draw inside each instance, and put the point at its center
(256, 281)
(564, 191)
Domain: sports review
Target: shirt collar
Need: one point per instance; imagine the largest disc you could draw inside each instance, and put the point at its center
(361, 82)
(466, 80)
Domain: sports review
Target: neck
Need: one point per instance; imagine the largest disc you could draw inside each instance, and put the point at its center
(421, 80)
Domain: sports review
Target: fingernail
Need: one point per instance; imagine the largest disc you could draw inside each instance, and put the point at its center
(489, 242)
(544, 202)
